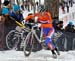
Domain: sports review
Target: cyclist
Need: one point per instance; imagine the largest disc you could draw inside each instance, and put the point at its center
(44, 17)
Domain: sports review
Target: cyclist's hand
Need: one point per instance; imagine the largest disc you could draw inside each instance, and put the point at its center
(39, 24)
(36, 19)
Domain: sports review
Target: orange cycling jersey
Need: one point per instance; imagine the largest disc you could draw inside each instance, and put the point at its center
(45, 19)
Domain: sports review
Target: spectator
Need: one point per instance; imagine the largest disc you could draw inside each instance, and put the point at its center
(59, 26)
(27, 5)
(71, 2)
(9, 24)
(63, 8)
(22, 7)
(67, 8)
(16, 14)
(69, 27)
(37, 3)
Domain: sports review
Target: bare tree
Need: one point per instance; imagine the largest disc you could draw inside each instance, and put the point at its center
(52, 6)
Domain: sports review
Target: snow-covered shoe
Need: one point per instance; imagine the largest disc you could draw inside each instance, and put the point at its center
(58, 52)
(54, 56)
(56, 49)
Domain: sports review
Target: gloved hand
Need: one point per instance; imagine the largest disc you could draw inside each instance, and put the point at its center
(36, 19)
(37, 25)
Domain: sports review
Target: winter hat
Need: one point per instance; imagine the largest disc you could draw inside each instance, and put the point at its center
(60, 22)
(15, 7)
(70, 23)
(6, 3)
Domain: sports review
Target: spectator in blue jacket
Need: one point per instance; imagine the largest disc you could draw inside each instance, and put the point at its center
(16, 14)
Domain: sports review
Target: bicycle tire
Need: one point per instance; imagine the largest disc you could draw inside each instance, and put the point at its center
(11, 40)
(28, 44)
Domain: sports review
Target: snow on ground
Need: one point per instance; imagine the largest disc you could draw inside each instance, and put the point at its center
(43, 55)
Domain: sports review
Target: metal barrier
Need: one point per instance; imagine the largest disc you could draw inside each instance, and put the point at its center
(66, 41)
(1, 35)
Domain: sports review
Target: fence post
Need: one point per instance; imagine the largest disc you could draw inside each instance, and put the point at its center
(73, 45)
(65, 43)
(1, 33)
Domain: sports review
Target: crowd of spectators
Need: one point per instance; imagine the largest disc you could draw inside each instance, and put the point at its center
(66, 4)
(58, 26)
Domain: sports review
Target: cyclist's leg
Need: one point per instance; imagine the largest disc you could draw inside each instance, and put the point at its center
(49, 32)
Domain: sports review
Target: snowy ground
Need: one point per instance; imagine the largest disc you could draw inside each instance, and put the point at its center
(42, 55)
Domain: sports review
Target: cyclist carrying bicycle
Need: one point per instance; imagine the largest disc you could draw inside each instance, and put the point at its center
(45, 23)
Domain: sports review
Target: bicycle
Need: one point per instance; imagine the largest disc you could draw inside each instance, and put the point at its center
(29, 41)
(15, 39)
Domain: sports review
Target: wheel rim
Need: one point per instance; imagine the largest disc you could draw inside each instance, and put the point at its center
(28, 45)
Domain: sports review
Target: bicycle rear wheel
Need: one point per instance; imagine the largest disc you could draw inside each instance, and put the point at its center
(28, 44)
(12, 40)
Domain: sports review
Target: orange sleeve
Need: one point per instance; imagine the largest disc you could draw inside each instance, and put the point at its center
(28, 17)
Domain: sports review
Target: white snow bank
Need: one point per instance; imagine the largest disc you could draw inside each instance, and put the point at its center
(42, 55)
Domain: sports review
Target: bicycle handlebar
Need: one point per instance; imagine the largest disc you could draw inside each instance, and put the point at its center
(32, 24)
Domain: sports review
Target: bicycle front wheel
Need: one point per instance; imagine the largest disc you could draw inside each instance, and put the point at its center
(28, 44)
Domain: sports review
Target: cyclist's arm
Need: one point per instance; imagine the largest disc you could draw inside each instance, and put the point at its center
(28, 17)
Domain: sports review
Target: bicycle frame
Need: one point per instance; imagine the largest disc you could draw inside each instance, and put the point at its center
(29, 41)
(36, 36)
